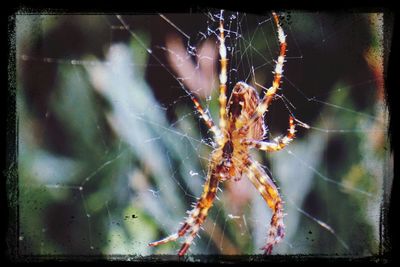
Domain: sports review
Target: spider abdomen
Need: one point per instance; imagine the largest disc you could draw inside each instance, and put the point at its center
(241, 107)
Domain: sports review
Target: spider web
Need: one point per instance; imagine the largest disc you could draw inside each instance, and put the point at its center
(112, 153)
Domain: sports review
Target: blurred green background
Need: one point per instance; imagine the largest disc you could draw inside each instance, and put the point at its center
(111, 152)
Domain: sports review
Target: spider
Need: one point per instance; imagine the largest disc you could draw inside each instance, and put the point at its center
(241, 128)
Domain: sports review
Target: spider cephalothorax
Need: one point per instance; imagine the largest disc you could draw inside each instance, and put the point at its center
(241, 127)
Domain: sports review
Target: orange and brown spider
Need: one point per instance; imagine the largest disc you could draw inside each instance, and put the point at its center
(241, 127)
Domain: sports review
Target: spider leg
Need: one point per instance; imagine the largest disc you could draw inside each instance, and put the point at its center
(278, 74)
(196, 216)
(277, 143)
(207, 118)
(269, 95)
(269, 192)
(223, 76)
(222, 90)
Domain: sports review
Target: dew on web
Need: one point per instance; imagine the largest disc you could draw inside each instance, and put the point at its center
(112, 153)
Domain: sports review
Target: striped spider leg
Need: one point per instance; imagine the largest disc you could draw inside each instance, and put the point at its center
(199, 213)
(241, 128)
(269, 192)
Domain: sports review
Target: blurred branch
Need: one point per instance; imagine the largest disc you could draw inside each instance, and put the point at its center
(198, 76)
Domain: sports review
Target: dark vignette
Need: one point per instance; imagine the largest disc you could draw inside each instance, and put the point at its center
(389, 244)
(10, 195)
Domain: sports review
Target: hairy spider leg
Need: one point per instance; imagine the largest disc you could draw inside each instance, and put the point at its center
(223, 76)
(277, 143)
(200, 212)
(207, 119)
(222, 90)
(196, 216)
(269, 192)
(278, 74)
